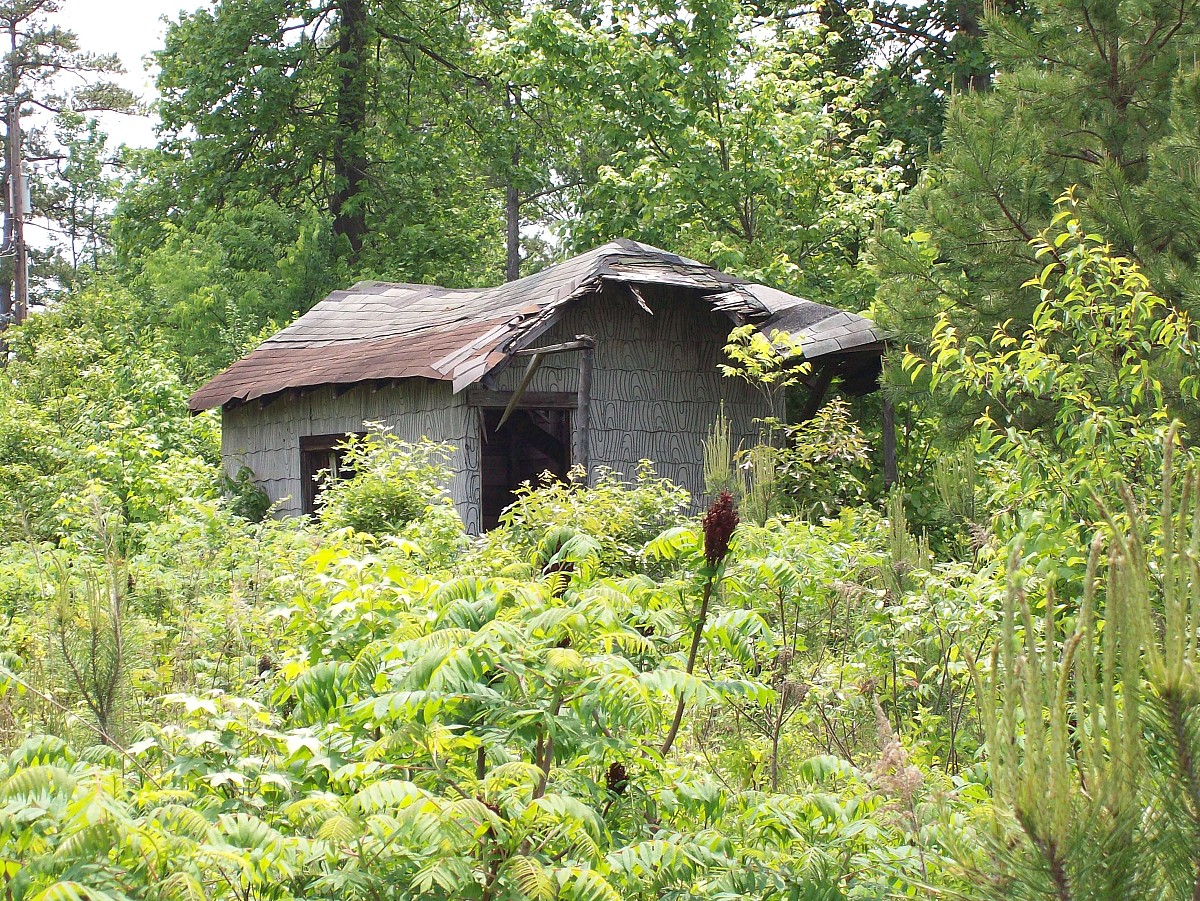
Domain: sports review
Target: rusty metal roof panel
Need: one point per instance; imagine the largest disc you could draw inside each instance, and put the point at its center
(380, 330)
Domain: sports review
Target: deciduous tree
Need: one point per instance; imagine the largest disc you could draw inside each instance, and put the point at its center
(351, 108)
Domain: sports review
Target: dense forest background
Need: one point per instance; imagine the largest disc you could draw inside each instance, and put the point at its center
(981, 682)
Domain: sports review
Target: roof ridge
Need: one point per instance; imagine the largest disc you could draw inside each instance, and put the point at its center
(619, 243)
(377, 330)
(377, 282)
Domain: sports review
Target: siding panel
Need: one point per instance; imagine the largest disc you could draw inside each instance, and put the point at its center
(655, 386)
(267, 440)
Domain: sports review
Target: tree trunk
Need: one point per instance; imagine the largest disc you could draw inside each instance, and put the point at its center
(12, 153)
(349, 156)
(512, 223)
(512, 205)
(6, 269)
(972, 79)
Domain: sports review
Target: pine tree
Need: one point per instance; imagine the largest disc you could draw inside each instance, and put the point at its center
(1098, 95)
(1093, 731)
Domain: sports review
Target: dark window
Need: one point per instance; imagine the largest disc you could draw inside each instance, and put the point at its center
(531, 443)
(318, 454)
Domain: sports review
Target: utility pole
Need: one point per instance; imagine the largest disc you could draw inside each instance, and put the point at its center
(7, 244)
(14, 306)
(16, 180)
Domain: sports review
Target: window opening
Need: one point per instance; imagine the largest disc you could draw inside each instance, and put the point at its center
(318, 454)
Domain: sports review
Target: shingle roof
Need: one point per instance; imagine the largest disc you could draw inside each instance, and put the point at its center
(384, 331)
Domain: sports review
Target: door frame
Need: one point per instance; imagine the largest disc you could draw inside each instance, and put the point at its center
(483, 399)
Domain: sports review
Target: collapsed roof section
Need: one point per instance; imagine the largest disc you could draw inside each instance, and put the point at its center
(379, 331)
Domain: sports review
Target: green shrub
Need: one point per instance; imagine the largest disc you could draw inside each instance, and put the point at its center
(393, 483)
(621, 516)
(247, 499)
(826, 462)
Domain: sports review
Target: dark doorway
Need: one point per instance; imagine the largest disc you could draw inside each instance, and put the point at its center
(529, 445)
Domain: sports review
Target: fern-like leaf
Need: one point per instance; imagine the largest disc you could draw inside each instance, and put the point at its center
(182, 886)
(681, 541)
(585, 884)
(72, 891)
(339, 829)
(388, 794)
(530, 878)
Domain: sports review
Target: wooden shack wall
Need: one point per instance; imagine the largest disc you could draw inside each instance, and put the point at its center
(655, 393)
(267, 439)
(656, 387)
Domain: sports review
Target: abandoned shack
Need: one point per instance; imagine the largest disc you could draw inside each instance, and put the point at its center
(620, 348)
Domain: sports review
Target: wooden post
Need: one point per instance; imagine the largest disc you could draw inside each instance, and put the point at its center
(581, 445)
(580, 343)
(534, 363)
(816, 392)
(583, 411)
(888, 418)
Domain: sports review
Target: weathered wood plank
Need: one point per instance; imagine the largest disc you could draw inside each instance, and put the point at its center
(529, 400)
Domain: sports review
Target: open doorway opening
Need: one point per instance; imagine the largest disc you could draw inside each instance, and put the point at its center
(532, 443)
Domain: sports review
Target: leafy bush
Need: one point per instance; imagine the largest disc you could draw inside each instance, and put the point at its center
(826, 463)
(86, 404)
(392, 483)
(620, 516)
(247, 499)
(428, 738)
(1082, 397)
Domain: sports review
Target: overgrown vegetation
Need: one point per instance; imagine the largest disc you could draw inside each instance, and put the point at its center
(980, 684)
